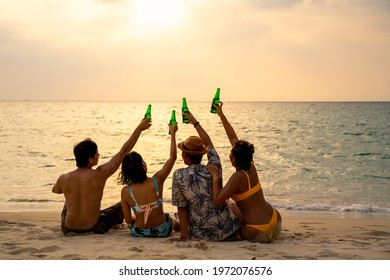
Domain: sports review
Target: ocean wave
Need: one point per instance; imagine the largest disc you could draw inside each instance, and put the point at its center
(47, 165)
(354, 133)
(379, 155)
(377, 177)
(31, 200)
(364, 154)
(350, 208)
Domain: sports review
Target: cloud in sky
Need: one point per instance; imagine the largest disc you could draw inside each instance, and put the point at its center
(266, 4)
(285, 50)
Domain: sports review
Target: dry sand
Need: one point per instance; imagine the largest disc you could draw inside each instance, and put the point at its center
(37, 235)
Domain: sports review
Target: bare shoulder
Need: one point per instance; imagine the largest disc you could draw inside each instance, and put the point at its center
(238, 182)
(107, 169)
(124, 190)
(238, 176)
(83, 173)
(253, 167)
(57, 187)
(64, 177)
(158, 178)
(235, 180)
(61, 178)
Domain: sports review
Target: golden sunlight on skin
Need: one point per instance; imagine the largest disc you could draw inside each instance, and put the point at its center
(157, 14)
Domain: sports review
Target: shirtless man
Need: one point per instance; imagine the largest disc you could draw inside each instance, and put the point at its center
(83, 188)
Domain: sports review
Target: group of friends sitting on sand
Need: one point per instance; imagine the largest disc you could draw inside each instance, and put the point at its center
(204, 211)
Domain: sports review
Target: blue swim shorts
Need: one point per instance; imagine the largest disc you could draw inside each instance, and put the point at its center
(162, 230)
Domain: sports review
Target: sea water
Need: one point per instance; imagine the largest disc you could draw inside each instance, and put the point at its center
(328, 157)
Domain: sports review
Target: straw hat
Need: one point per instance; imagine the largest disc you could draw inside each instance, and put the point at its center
(193, 146)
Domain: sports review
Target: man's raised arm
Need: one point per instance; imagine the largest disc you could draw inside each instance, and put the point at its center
(113, 164)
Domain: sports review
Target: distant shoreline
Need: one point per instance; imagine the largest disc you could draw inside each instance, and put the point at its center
(192, 101)
(286, 213)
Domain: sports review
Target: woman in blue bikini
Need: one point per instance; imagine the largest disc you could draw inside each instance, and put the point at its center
(261, 222)
(143, 194)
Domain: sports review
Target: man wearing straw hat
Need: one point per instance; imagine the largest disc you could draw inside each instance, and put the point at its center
(199, 217)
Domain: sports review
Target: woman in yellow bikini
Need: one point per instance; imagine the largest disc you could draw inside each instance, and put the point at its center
(261, 222)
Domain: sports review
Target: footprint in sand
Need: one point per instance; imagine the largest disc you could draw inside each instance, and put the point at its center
(137, 249)
(53, 229)
(378, 233)
(41, 256)
(106, 258)
(6, 223)
(23, 250)
(291, 236)
(327, 254)
(202, 245)
(13, 226)
(49, 249)
(290, 257)
(72, 257)
(183, 245)
(251, 247)
(47, 236)
(14, 244)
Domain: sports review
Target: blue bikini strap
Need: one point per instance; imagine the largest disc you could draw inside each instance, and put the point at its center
(158, 201)
(156, 186)
(132, 197)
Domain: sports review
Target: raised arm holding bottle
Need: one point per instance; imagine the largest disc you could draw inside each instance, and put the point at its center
(144, 195)
(261, 222)
(199, 217)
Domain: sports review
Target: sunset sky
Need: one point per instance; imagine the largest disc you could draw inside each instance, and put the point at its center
(163, 50)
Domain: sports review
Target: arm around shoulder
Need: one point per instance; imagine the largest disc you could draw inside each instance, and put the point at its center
(220, 195)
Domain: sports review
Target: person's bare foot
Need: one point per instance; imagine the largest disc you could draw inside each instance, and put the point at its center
(119, 227)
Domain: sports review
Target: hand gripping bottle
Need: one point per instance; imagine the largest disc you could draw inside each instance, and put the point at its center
(148, 114)
(184, 109)
(215, 101)
(172, 121)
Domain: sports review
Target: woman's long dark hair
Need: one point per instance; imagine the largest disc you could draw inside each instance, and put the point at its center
(242, 152)
(132, 171)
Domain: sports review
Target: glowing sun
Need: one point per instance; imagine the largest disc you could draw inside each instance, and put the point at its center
(157, 13)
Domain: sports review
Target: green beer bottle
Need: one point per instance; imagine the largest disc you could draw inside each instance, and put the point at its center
(172, 121)
(215, 101)
(148, 114)
(184, 109)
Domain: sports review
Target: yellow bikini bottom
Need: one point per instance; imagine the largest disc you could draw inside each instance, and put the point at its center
(267, 228)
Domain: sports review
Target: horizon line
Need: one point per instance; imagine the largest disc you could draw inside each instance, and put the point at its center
(198, 101)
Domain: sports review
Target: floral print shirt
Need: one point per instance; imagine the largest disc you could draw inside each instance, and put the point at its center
(191, 187)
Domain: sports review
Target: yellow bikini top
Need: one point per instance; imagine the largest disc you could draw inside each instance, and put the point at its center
(249, 192)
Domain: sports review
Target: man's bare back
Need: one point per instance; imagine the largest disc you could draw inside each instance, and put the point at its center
(83, 187)
(83, 191)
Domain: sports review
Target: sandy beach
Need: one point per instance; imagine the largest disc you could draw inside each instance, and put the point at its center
(37, 236)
